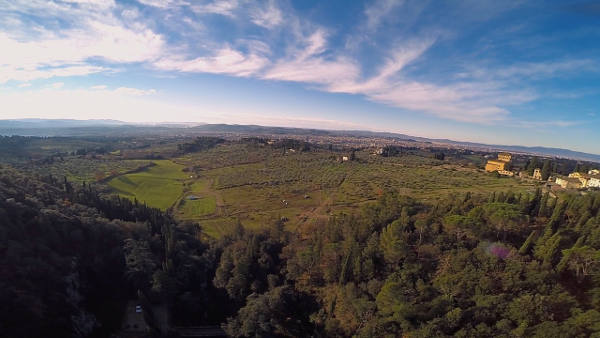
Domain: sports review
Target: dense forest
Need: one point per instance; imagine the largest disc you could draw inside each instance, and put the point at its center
(470, 265)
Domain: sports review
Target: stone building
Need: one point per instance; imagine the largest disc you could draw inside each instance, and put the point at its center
(502, 164)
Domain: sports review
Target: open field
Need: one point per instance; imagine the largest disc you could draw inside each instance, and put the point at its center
(158, 186)
(256, 185)
(198, 208)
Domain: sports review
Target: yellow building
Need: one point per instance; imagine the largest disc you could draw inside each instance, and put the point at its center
(583, 178)
(505, 157)
(568, 182)
(502, 164)
(495, 165)
(537, 174)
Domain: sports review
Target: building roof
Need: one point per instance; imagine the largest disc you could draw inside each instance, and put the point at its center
(497, 162)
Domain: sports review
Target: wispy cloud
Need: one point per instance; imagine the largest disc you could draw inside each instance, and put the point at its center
(532, 70)
(378, 11)
(222, 7)
(92, 32)
(224, 61)
(270, 42)
(308, 63)
(36, 72)
(157, 3)
(270, 16)
(544, 124)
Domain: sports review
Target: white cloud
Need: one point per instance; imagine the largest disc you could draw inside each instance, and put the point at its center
(225, 61)
(24, 75)
(222, 7)
(93, 33)
(269, 17)
(379, 10)
(307, 63)
(163, 3)
(543, 124)
(134, 91)
(531, 70)
(117, 33)
(57, 85)
(95, 3)
(155, 3)
(24, 85)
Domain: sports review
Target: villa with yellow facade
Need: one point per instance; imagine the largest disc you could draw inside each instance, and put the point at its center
(501, 165)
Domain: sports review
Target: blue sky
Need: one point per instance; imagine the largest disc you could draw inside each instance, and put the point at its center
(502, 72)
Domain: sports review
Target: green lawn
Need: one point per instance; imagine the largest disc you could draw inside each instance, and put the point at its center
(159, 186)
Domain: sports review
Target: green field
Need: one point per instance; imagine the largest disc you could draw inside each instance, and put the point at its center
(198, 208)
(257, 185)
(158, 186)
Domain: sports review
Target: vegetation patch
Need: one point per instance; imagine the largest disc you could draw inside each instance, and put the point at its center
(198, 207)
(158, 186)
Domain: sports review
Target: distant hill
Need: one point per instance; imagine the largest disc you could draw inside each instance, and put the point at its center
(50, 127)
(538, 150)
(54, 123)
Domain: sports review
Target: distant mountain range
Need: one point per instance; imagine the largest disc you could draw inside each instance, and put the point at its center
(67, 127)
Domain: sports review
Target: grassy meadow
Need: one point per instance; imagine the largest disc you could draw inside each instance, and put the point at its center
(158, 186)
(193, 209)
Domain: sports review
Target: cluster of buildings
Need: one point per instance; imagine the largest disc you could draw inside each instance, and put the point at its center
(579, 180)
(501, 165)
(576, 180)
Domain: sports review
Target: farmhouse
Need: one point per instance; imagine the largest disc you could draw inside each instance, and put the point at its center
(502, 164)
(589, 180)
(583, 178)
(569, 182)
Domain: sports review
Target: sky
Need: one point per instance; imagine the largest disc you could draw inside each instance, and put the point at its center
(499, 72)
